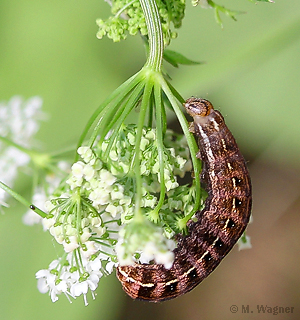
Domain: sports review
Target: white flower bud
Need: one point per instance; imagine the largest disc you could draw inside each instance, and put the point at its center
(88, 172)
(77, 169)
(71, 244)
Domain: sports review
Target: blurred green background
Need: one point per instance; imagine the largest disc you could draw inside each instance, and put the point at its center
(251, 73)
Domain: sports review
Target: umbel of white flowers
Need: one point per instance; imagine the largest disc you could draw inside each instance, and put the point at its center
(93, 214)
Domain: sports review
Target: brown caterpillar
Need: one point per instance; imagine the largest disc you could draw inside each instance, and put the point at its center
(220, 224)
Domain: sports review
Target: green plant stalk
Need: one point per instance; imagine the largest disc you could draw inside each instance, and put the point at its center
(150, 70)
(117, 95)
(119, 119)
(41, 160)
(107, 112)
(112, 114)
(17, 146)
(22, 200)
(136, 157)
(159, 108)
(154, 62)
(155, 35)
(192, 146)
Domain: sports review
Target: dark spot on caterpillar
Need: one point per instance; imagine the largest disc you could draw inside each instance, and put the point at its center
(171, 287)
(219, 225)
(230, 224)
(193, 274)
(32, 207)
(192, 277)
(219, 244)
(237, 202)
(146, 291)
(207, 257)
(237, 181)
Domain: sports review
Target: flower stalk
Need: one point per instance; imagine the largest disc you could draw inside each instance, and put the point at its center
(22, 200)
(155, 35)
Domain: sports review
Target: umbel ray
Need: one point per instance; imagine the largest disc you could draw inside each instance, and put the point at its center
(219, 225)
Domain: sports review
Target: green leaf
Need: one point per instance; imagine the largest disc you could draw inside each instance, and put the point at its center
(217, 8)
(175, 58)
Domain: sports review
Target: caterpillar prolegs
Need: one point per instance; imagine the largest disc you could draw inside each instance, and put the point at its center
(219, 225)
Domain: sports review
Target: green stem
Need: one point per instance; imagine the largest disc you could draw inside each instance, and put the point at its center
(191, 143)
(124, 8)
(17, 146)
(136, 156)
(41, 160)
(22, 200)
(121, 116)
(77, 210)
(118, 94)
(159, 108)
(155, 35)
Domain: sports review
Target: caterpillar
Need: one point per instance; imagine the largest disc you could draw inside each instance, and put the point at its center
(219, 225)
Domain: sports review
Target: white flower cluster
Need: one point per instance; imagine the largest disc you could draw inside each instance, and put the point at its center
(100, 196)
(144, 242)
(176, 163)
(82, 221)
(19, 121)
(64, 276)
(75, 224)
